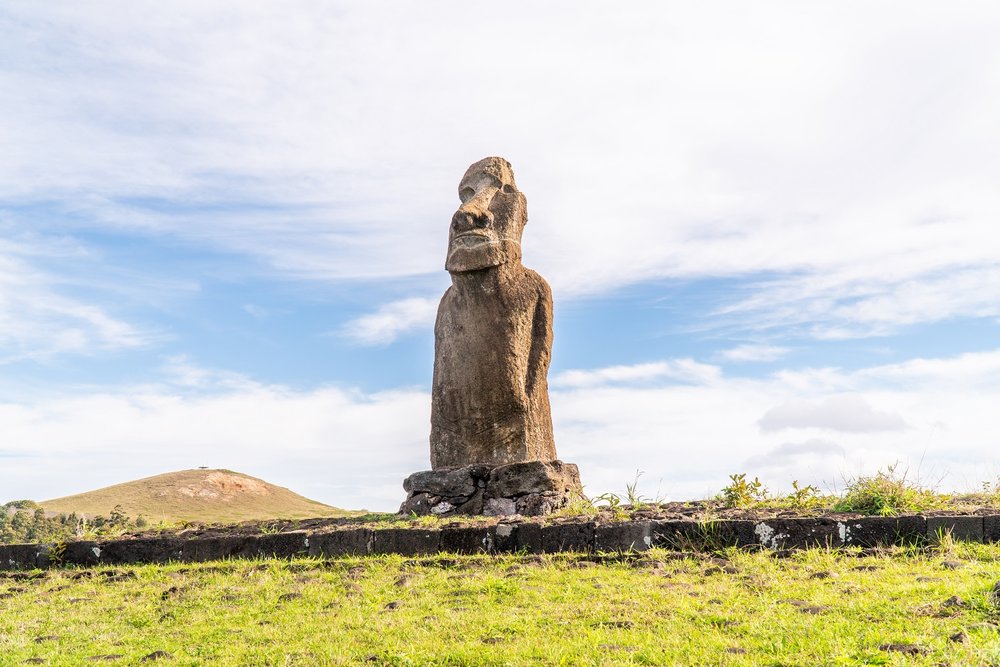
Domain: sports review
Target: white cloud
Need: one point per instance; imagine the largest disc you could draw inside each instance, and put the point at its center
(841, 151)
(754, 353)
(353, 449)
(38, 322)
(339, 446)
(795, 453)
(848, 413)
(688, 439)
(679, 370)
(391, 321)
(824, 463)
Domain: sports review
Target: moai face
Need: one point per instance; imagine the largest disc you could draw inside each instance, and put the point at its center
(486, 228)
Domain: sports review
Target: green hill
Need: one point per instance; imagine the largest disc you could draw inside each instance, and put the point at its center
(209, 496)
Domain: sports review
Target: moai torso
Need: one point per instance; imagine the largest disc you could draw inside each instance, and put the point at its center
(493, 335)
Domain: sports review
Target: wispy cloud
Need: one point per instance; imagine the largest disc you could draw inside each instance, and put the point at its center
(391, 321)
(38, 322)
(754, 353)
(849, 413)
(679, 370)
(353, 448)
(190, 125)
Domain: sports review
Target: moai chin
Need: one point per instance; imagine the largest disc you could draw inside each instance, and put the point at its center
(492, 449)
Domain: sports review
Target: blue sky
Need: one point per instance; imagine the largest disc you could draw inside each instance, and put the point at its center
(771, 233)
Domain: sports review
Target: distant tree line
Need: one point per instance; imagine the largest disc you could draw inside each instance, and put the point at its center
(24, 522)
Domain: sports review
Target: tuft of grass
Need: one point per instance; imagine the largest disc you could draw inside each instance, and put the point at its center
(633, 500)
(886, 493)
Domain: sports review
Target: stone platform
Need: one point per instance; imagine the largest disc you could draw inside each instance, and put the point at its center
(580, 534)
(532, 488)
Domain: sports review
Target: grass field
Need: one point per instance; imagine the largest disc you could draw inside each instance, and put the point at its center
(817, 607)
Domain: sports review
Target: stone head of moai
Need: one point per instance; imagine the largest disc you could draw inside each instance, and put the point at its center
(486, 228)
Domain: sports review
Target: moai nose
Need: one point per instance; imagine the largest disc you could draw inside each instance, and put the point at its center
(468, 218)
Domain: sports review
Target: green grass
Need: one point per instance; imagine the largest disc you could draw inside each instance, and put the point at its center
(816, 608)
(888, 492)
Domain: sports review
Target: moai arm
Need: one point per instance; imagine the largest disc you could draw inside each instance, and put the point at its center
(541, 340)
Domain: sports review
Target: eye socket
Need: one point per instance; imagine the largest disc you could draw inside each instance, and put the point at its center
(508, 189)
(465, 194)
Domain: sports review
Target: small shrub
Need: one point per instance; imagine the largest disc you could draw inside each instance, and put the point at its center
(21, 504)
(803, 497)
(741, 493)
(886, 493)
(57, 553)
(118, 519)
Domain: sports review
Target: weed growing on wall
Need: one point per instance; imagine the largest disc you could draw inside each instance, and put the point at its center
(885, 493)
(742, 493)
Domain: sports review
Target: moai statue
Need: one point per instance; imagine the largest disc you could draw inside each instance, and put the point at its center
(491, 440)
(493, 336)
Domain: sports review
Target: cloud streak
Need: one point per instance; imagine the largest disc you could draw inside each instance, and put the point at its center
(38, 322)
(318, 145)
(353, 449)
(848, 413)
(391, 321)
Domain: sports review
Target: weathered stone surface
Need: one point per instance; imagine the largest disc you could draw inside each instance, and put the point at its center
(532, 488)
(911, 530)
(869, 531)
(417, 503)
(23, 557)
(499, 507)
(961, 528)
(517, 538)
(216, 548)
(283, 545)
(446, 481)
(474, 505)
(518, 479)
(82, 553)
(343, 542)
(991, 528)
(702, 535)
(734, 533)
(493, 334)
(467, 539)
(568, 537)
(540, 504)
(799, 533)
(144, 550)
(405, 541)
(625, 536)
(683, 535)
(504, 538)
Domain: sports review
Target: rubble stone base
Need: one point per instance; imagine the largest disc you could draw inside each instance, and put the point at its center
(532, 488)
